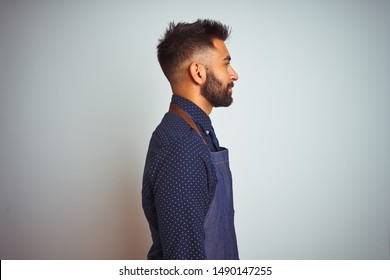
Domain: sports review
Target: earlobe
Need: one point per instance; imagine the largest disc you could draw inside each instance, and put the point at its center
(197, 73)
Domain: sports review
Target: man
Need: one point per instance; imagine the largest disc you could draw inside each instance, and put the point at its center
(187, 185)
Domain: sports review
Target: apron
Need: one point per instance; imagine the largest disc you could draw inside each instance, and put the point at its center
(220, 234)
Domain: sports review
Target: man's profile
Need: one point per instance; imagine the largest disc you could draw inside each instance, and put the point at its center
(187, 185)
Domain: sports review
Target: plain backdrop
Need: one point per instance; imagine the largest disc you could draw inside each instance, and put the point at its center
(81, 92)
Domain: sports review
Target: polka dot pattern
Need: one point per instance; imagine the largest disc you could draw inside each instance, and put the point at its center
(178, 184)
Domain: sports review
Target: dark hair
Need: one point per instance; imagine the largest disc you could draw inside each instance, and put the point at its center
(182, 40)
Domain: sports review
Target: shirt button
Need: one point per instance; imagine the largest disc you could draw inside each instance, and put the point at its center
(207, 132)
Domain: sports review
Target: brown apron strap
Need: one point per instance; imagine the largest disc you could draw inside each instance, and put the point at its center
(180, 112)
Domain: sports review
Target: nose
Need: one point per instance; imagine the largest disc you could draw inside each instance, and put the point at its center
(233, 74)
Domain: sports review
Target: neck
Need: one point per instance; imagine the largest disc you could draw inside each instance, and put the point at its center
(196, 98)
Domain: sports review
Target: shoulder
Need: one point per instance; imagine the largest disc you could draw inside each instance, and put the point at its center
(177, 153)
(175, 146)
(174, 135)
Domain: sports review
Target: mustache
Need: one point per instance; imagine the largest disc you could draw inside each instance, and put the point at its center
(231, 85)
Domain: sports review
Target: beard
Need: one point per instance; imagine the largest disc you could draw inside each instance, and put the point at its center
(215, 93)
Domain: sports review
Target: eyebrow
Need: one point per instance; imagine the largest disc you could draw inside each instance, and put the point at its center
(227, 58)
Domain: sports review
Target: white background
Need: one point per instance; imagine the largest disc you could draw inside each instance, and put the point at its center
(81, 92)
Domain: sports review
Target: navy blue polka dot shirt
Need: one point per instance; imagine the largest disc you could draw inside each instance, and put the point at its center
(178, 182)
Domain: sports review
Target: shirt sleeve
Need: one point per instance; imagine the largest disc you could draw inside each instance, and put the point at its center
(181, 201)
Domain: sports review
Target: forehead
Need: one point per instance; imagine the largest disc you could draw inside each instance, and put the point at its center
(220, 50)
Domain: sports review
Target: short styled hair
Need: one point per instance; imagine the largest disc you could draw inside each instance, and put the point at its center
(182, 40)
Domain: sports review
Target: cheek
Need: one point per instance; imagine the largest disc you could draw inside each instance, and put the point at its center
(224, 76)
(221, 74)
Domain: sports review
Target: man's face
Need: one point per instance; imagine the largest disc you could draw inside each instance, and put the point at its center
(220, 77)
(216, 93)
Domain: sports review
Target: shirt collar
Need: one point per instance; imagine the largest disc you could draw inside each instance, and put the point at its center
(195, 112)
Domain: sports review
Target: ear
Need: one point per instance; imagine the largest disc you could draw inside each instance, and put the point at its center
(197, 73)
